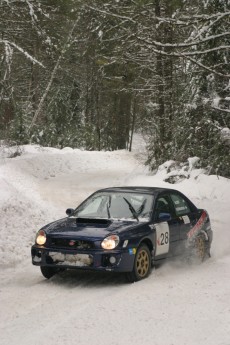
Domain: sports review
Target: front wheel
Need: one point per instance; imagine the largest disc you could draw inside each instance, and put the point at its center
(142, 264)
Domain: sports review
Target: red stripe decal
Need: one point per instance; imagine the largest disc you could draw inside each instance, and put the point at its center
(198, 225)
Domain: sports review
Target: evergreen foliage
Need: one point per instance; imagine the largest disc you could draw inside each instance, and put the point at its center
(86, 74)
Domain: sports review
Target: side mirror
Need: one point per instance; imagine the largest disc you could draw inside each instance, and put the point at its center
(69, 211)
(164, 217)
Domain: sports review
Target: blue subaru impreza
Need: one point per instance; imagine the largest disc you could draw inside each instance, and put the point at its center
(124, 229)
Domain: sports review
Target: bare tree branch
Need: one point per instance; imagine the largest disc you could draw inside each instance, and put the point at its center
(111, 14)
(27, 55)
(183, 45)
(40, 105)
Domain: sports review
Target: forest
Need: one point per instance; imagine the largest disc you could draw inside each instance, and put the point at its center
(88, 74)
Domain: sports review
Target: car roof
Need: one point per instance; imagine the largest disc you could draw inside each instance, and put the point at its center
(138, 189)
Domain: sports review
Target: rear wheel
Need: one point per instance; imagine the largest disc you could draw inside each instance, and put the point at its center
(201, 249)
(142, 264)
(48, 272)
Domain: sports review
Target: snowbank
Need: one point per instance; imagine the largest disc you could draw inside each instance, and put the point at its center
(37, 186)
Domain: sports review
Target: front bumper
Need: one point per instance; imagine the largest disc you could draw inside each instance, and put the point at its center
(97, 260)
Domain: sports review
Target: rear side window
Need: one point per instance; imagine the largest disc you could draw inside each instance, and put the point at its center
(181, 205)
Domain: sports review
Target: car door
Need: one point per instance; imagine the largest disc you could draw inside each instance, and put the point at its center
(167, 227)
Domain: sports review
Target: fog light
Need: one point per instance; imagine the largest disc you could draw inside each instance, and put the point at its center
(112, 260)
(37, 259)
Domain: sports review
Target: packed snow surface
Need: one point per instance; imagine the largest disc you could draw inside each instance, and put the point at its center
(177, 305)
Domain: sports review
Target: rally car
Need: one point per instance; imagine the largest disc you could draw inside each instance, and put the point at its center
(124, 229)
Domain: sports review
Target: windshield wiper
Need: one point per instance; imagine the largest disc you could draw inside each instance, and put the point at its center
(108, 207)
(141, 209)
(131, 208)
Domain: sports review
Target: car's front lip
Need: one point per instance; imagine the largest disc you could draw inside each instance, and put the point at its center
(100, 260)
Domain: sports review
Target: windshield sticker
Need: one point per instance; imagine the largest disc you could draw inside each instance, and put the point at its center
(182, 208)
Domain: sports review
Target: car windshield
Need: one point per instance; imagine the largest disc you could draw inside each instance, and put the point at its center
(114, 205)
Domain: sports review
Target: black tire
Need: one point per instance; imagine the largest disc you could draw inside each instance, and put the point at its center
(48, 272)
(201, 250)
(142, 264)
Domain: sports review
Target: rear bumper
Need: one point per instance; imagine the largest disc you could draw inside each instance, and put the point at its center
(208, 236)
(114, 260)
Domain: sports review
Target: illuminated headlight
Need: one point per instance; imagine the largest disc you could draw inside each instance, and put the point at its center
(40, 237)
(110, 242)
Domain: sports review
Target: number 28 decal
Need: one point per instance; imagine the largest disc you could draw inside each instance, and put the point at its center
(162, 238)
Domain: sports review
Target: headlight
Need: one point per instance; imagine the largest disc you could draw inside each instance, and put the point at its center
(110, 242)
(40, 237)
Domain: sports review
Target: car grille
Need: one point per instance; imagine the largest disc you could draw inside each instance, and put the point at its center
(70, 244)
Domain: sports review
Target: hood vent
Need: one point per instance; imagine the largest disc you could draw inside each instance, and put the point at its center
(93, 221)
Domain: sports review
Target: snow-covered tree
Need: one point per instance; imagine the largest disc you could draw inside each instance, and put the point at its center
(87, 73)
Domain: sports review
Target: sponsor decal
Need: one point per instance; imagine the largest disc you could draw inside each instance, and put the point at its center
(197, 226)
(125, 243)
(162, 238)
(185, 219)
(72, 243)
(132, 251)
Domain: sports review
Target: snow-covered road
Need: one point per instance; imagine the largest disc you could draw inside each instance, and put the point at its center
(175, 305)
(178, 304)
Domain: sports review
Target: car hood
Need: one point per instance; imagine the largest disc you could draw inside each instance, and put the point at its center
(88, 228)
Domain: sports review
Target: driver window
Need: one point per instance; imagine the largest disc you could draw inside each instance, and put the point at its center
(162, 206)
